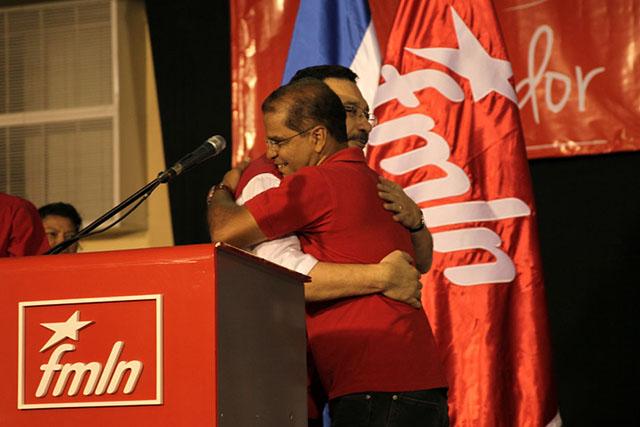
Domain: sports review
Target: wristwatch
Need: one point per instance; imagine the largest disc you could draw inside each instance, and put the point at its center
(420, 226)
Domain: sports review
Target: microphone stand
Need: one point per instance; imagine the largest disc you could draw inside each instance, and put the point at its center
(143, 193)
(213, 146)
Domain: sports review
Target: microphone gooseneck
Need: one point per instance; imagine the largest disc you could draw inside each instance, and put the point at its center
(212, 147)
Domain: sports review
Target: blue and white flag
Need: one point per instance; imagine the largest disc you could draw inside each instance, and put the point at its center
(337, 33)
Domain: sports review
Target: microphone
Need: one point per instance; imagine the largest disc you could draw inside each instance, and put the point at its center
(212, 147)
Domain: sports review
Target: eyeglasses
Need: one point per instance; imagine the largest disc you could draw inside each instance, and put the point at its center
(356, 112)
(279, 142)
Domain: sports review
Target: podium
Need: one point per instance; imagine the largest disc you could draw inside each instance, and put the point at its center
(183, 336)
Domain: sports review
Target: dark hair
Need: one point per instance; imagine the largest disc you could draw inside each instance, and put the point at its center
(322, 72)
(309, 102)
(62, 209)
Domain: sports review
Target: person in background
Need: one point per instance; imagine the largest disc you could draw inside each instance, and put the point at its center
(61, 221)
(21, 231)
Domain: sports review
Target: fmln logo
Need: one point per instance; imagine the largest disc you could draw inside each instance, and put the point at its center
(103, 351)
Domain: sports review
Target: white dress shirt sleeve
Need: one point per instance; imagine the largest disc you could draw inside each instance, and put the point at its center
(285, 251)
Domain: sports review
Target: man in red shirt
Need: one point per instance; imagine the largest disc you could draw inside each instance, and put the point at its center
(376, 357)
(21, 231)
(261, 174)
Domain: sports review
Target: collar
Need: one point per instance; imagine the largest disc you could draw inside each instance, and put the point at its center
(349, 154)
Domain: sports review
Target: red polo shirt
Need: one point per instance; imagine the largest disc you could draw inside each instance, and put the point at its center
(369, 343)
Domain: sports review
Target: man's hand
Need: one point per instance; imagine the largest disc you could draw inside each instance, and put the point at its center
(232, 177)
(402, 279)
(229, 222)
(407, 213)
(405, 210)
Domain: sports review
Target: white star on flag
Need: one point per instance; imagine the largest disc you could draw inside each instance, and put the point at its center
(485, 73)
(67, 329)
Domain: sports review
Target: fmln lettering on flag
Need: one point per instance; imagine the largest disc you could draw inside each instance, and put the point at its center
(450, 134)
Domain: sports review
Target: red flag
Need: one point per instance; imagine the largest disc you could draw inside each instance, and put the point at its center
(450, 134)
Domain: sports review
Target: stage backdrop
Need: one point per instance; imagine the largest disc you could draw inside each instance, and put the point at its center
(577, 72)
(575, 67)
(450, 134)
(588, 221)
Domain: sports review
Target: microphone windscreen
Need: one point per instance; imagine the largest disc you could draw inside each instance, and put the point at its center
(218, 142)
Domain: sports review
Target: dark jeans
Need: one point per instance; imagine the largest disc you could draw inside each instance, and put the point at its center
(423, 408)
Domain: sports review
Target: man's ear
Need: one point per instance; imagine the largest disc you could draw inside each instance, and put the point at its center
(319, 136)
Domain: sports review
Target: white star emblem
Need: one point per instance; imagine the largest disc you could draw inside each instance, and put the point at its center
(485, 73)
(67, 329)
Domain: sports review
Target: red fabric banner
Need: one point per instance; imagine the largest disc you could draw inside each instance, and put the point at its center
(260, 35)
(449, 133)
(577, 74)
(575, 65)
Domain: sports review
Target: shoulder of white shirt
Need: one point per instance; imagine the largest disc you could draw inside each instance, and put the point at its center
(256, 185)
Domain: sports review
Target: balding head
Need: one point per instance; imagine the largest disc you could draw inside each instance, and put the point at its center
(308, 102)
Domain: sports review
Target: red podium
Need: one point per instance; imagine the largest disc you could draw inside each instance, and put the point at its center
(182, 336)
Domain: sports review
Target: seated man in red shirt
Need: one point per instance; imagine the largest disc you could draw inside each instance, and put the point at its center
(21, 231)
(376, 357)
